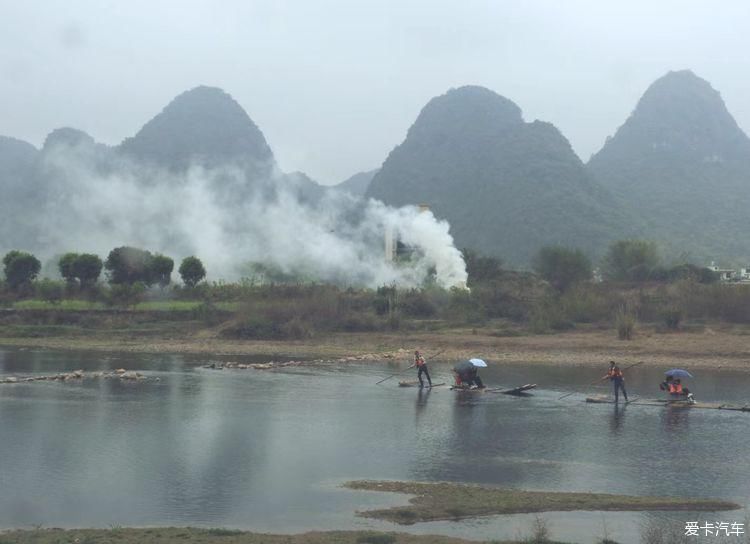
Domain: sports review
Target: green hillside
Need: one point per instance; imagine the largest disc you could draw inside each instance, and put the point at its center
(681, 162)
(507, 187)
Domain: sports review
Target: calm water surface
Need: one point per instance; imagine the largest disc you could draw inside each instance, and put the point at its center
(266, 450)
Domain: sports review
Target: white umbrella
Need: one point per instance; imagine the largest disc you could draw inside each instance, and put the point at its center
(478, 363)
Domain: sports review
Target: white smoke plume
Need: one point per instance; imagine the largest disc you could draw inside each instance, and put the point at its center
(211, 213)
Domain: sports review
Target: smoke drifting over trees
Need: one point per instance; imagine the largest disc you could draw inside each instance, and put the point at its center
(200, 179)
(230, 220)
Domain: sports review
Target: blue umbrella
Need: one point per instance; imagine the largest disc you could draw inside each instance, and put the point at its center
(478, 362)
(678, 373)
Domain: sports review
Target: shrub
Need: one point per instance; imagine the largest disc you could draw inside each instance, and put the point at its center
(625, 324)
(254, 327)
(50, 291)
(672, 317)
(126, 294)
(385, 300)
(539, 531)
(207, 312)
(394, 321)
(590, 303)
(480, 268)
(630, 260)
(463, 308)
(548, 315)
(562, 267)
(359, 323)
(417, 303)
(539, 322)
(297, 329)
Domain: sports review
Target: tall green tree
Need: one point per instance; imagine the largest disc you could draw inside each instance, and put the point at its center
(66, 265)
(630, 260)
(87, 267)
(562, 267)
(192, 271)
(20, 269)
(128, 265)
(160, 269)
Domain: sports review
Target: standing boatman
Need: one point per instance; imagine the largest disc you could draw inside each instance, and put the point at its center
(618, 381)
(421, 365)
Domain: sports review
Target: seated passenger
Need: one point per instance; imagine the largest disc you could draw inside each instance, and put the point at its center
(466, 376)
(678, 392)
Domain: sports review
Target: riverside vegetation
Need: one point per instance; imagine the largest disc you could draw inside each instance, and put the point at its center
(559, 295)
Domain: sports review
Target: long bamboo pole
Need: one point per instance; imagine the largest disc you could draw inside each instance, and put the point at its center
(600, 379)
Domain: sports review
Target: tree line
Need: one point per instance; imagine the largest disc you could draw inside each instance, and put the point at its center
(124, 265)
(627, 261)
(633, 261)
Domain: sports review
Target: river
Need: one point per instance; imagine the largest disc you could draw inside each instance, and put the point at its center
(267, 450)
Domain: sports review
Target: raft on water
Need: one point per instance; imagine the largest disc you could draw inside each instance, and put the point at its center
(521, 389)
(601, 399)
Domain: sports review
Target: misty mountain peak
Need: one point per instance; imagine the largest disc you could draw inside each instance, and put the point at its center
(681, 114)
(66, 136)
(507, 187)
(681, 160)
(203, 125)
(16, 157)
(465, 109)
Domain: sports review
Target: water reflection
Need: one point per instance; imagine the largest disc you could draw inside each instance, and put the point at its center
(617, 419)
(675, 419)
(422, 396)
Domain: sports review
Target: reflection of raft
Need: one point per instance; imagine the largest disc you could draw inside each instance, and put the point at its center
(601, 399)
(415, 383)
(514, 391)
(518, 390)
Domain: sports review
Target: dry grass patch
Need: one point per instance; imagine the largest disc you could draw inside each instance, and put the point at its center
(448, 501)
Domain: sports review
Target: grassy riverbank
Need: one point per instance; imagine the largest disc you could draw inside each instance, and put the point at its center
(216, 536)
(711, 346)
(448, 501)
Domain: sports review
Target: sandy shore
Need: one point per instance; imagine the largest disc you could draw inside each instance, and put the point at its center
(719, 347)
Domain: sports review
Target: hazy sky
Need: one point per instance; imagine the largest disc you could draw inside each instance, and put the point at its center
(334, 85)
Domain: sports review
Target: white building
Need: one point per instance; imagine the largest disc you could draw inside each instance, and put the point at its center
(729, 274)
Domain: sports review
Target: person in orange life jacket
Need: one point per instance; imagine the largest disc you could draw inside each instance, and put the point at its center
(677, 390)
(618, 381)
(421, 365)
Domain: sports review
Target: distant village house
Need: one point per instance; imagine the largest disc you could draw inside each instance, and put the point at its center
(730, 274)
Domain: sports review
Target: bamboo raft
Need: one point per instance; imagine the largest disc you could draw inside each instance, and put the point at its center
(601, 399)
(520, 390)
